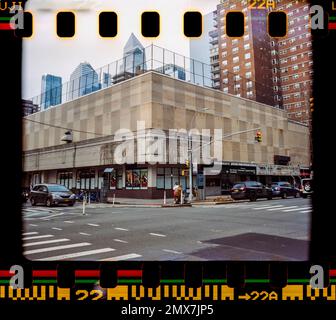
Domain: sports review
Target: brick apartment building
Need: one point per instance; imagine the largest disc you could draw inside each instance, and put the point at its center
(274, 71)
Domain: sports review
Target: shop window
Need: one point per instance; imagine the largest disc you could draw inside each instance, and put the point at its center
(167, 177)
(137, 179)
(65, 178)
(85, 180)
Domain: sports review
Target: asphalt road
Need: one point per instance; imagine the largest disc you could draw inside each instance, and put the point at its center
(264, 230)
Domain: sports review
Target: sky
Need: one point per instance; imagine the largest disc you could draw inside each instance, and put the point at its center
(44, 52)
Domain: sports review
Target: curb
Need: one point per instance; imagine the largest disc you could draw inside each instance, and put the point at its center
(176, 205)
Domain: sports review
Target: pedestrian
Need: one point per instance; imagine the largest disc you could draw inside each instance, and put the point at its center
(176, 189)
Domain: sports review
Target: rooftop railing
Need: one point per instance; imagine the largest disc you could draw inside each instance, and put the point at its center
(152, 58)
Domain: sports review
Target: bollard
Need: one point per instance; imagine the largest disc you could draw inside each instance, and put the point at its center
(89, 198)
(181, 197)
(84, 204)
(164, 197)
(113, 199)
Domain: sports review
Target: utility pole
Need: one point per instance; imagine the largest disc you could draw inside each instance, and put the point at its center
(190, 168)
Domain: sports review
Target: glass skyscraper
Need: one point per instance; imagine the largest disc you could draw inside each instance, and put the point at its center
(83, 80)
(134, 56)
(51, 91)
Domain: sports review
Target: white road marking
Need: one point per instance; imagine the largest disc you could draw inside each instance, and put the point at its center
(38, 237)
(122, 229)
(29, 233)
(93, 224)
(52, 216)
(274, 209)
(44, 242)
(78, 254)
(57, 229)
(124, 257)
(118, 240)
(158, 235)
(68, 221)
(267, 207)
(306, 211)
(172, 251)
(33, 225)
(75, 245)
(298, 209)
(85, 234)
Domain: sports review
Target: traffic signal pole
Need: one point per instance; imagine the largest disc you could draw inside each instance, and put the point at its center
(190, 170)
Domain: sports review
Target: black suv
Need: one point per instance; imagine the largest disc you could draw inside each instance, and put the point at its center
(250, 190)
(50, 194)
(284, 189)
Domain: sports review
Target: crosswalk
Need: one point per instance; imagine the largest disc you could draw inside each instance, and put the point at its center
(276, 207)
(48, 247)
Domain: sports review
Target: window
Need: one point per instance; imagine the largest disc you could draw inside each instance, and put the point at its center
(249, 94)
(247, 46)
(224, 62)
(226, 89)
(284, 70)
(249, 84)
(136, 179)
(293, 58)
(295, 76)
(225, 80)
(295, 67)
(246, 37)
(85, 180)
(234, 42)
(273, 52)
(236, 78)
(247, 55)
(236, 69)
(224, 45)
(283, 61)
(297, 95)
(167, 177)
(224, 53)
(235, 50)
(235, 60)
(274, 61)
(65, 178)
(248, 65)
(248, 74)
(292, 49)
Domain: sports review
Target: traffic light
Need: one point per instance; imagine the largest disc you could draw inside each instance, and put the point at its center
(187, 163)
(311, 104)
(183, 172)
(258, 136)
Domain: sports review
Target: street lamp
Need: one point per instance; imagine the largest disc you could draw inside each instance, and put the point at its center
(190, 155)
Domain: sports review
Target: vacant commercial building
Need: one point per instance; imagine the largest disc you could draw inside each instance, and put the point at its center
(103, 120)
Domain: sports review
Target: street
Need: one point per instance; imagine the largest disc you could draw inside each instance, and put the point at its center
(264, 230)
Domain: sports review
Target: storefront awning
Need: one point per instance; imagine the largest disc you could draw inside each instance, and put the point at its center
(108, 170)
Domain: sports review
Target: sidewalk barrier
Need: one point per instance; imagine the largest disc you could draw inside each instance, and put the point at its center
(164, 197)
(84, 205)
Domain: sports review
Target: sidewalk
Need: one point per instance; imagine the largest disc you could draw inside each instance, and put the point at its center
(131, 202)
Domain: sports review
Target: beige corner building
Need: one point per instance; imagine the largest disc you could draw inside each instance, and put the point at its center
(161, 103)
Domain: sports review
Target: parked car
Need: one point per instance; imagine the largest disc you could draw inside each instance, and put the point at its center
(250, 190)
(51, 194)
(24, 195)
(306, 188)
(284, 189)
